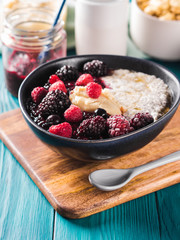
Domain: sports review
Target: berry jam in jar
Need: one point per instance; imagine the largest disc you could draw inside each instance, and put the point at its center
(28, 41)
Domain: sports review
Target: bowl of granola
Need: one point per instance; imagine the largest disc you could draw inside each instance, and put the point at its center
(98, 107)
(155, 28)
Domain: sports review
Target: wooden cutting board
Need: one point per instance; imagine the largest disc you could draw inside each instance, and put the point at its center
(64, 181)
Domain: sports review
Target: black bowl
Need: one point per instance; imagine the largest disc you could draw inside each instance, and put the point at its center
(107, 148)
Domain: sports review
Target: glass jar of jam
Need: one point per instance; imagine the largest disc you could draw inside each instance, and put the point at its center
(28, 41)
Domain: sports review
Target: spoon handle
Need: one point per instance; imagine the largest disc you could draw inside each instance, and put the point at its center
(157, 163)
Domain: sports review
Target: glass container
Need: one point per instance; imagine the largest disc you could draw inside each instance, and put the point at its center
(26, 34)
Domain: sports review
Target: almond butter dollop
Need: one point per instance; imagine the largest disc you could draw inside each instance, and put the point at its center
(79, 97)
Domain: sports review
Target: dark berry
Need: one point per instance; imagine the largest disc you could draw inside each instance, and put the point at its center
(30, 105)
(53, 120)
(47, 85)
(99, 81)
(74, 129)
(92, 128)
(40, 121)
(96, 68)
(101, 112)
(87, 115)
(118, 125)
(67, 73)
(55, 102)
(141, 120)
(69, 86)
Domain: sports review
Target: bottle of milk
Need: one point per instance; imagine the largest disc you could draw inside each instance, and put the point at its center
(101, 26)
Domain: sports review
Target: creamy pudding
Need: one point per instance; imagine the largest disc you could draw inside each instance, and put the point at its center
(138, 92)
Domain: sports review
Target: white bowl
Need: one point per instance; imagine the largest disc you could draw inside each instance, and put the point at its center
(157, 38)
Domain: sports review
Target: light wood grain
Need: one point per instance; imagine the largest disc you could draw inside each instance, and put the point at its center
(64, 181)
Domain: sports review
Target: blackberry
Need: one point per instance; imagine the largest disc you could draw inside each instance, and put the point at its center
(55, 102)
(31, 107)
(47, 86)
(67, 73)
(53, 120)
(99, 81)
(87, 115)
(92, 128)
(118, 125)
(96, 68)
(141, 120)
(101, 112)
(74, 129)
(40, 121)
(69, 86)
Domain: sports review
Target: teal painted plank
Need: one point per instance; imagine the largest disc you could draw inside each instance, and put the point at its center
(168, 203)
(137, 219)
(24, 212)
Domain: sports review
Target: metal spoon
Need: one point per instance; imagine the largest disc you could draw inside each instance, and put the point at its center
(112, 179)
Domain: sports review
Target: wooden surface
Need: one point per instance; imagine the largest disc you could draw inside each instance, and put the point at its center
(26, 214)
(64, 181)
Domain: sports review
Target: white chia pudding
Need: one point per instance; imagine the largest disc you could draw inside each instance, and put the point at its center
(138, 92)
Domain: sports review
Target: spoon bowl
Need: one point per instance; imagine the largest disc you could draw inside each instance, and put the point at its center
(112, 179)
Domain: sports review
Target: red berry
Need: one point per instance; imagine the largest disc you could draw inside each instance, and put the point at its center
(38, 93)
(53, 78)
(84, 79)
(118, 125)
(93, 90)
(73, 114)
(58, 85)
(63, 129)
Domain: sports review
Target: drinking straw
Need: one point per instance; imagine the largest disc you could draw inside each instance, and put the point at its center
(43, 55)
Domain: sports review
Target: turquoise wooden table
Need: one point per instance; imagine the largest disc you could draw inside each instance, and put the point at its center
(26, 214)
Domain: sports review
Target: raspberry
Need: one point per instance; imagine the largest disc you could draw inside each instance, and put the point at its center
(67, 73)
(38, 93)
(58, 85)
(92, 128)
(55, 102)
(73, 114)
(63, 129)
(96, 68)
(93, 90)
(84, 79)
(141, 120)
(118, 125)
(53, 78)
